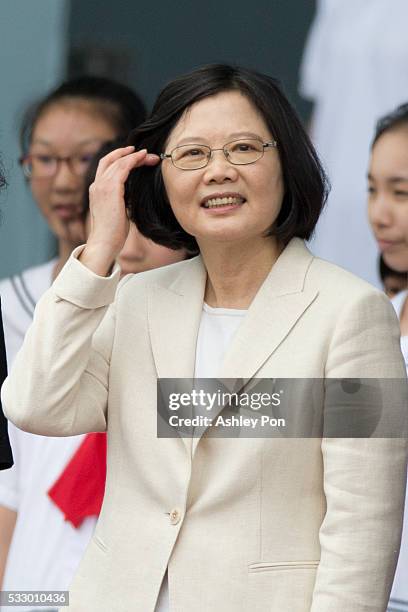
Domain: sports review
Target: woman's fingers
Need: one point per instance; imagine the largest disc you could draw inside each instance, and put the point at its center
(125, 162)
(110, 223)
(105, 161)
(151, 159)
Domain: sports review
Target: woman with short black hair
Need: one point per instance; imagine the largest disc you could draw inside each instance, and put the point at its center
(211, 522)
(306, 186)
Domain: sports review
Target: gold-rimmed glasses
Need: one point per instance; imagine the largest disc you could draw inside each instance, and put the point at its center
(238, 152)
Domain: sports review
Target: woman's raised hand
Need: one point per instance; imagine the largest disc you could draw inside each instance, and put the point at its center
(109, 219)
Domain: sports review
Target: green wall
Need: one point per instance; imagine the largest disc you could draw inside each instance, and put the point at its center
(159, 40)
(33, 54)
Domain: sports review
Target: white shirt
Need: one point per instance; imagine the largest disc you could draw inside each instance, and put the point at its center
(400, 586)
(45, 550)
(217, 328)
(355, 70)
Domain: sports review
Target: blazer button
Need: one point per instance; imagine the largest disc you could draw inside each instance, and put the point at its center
(175, 516)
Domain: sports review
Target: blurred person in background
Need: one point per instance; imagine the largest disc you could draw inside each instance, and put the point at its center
(59, 137)
(6, 457)
(388, 214)
(393, 281)
(354, 69)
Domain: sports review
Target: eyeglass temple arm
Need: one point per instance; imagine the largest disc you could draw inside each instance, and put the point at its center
(272, 143)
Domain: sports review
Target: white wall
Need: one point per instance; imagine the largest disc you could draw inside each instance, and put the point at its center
(32, 60)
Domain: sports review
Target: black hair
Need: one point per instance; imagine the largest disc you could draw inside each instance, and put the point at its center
(397, 118)
(386, 271)
(305, 182)
(119, 104)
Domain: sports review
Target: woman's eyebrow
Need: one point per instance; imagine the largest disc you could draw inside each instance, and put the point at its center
(46, 143)
(230, 137)
(391, 179)
(397, 179)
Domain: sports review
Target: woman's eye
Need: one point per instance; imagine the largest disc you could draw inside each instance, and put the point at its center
(44, 159)
(193, 152)
(86, 159)
(243, 147)
(401, 194)
(370, 189)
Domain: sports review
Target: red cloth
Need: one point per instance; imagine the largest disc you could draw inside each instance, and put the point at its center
(78, 492)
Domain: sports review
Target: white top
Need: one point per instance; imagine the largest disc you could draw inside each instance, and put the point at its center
(355, 70)
(45, 549)
(217, 327)
(400, 586)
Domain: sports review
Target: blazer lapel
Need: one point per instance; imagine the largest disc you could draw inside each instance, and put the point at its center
(278, 305)
(174, 314)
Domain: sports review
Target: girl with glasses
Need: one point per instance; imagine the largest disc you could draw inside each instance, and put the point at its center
(60, 134)
(213, 521)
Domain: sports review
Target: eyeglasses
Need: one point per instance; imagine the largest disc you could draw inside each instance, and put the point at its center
(237, 152)
(46, 166)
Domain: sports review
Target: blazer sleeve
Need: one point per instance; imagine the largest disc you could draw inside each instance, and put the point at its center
(6, 457)
(58, 385)
(364, 478)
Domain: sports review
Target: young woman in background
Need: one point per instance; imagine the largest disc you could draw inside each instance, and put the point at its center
(39, 549)
(388, 214)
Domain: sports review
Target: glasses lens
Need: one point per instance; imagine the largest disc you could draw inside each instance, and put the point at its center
(191, 157)
(80, 163)
(244, 151)
(40, 166)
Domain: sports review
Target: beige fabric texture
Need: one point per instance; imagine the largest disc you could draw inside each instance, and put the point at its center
(266, 525)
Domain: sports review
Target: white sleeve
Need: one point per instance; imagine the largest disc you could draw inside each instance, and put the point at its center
(364, 478)
(58, 385)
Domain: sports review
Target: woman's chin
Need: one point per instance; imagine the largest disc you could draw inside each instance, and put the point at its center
(397, 261)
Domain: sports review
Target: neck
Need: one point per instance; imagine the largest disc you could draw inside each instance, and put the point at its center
(235, 272)
(65, 248)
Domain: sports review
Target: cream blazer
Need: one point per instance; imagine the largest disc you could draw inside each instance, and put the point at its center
(243, 525)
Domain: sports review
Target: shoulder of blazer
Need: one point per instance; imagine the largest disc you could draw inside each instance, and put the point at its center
(337, 282)
(174, 277)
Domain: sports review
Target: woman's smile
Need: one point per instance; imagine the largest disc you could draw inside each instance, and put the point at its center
(223, 202)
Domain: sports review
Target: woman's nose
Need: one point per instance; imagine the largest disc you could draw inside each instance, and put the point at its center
(380, 210)
(219, 169)
(65, 179)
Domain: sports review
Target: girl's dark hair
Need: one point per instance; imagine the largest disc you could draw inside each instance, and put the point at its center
(397, 118)
(119, 104)
(306, 185)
